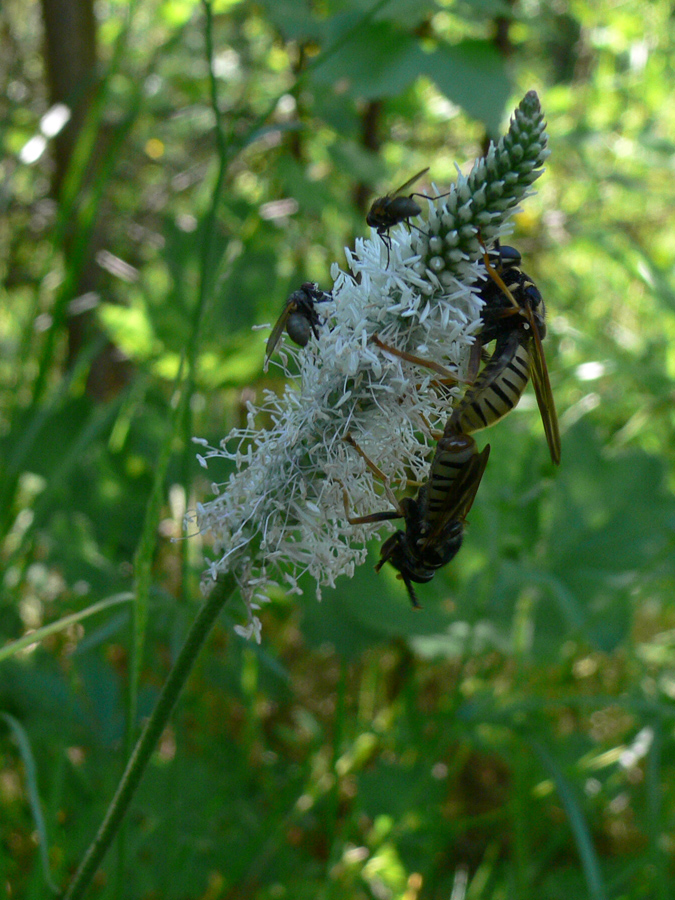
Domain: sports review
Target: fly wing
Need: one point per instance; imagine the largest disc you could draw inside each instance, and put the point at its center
(543, 392)
(460, 497)
(409, 183)
(277, 331)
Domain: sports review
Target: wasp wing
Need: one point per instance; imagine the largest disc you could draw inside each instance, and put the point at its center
(461, 495)
(543, 392)
(538, 368)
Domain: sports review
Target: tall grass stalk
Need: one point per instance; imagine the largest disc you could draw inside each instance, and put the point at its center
(199, 631)
(181, 423)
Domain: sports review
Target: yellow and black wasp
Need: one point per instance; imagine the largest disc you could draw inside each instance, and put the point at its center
(299, 317)
(513, 316)
(436, 518)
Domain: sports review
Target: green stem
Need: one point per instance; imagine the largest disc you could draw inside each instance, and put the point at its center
(199, 631)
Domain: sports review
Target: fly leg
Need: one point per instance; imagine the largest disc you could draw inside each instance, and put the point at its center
(386, 240)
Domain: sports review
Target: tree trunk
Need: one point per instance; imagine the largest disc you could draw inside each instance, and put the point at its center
(71, 67)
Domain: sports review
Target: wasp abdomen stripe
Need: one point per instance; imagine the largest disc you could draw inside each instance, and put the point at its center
(498, 388)
(453, 452)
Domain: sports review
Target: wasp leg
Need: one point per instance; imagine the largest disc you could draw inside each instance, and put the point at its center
(447, 376)
(432, 432)
(377, 472)
(506, 313)
(474, 360)
(373, 517)
(397, 512)
(478, 352)
(383, 516)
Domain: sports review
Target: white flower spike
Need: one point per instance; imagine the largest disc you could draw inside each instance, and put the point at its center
(281, 514)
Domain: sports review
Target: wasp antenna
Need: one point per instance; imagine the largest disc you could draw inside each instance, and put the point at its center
(494, 274)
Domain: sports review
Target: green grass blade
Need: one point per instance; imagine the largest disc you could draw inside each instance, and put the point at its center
(194, 641)
(23, 743)
(654, 780)
(143, 560)
(578, 824)
(28, 640)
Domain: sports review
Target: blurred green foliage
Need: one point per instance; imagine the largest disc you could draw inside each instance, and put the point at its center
(515, 737)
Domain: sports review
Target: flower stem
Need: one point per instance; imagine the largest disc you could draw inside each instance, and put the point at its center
(199, 631)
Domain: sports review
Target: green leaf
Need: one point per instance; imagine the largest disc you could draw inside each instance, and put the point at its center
(371, 608)
(394, 790)
(378, 61)
(408, 13)
(293, 18)
(473, 75)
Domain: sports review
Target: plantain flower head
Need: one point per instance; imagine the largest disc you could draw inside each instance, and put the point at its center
(281, 514)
